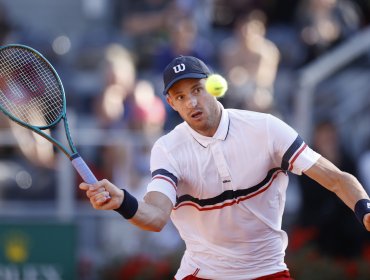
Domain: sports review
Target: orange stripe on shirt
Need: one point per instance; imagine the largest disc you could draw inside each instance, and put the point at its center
(166, 179)
(296, 156)
(234, 201)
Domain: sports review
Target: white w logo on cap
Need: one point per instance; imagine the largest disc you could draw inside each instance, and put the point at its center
(179, 68)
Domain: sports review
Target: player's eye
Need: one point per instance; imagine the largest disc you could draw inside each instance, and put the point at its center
(197, 90)
(179, 97)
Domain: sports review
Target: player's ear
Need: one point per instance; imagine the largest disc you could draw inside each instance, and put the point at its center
(170, 102)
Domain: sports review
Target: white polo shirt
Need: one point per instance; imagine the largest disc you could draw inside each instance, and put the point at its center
(228, 192)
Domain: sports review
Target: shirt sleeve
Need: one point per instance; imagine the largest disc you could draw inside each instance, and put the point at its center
(164, 176)
(288, 147)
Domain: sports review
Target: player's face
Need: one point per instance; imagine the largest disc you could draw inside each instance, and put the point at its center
(198, 108)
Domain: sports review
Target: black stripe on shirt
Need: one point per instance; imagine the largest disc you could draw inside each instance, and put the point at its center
(290, 152)
(227, 195)
(165, 173)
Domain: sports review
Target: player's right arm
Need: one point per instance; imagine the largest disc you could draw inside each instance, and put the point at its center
(151, 214)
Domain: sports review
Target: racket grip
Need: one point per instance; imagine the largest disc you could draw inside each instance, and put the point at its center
(82, 169)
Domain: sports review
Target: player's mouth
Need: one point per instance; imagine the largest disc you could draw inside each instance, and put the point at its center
(196, 115)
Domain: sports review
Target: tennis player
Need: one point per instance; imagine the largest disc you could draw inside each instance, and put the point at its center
(221, 176)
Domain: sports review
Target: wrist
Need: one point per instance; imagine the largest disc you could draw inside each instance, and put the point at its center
(129, 205)
(362, 207)
(120, 199)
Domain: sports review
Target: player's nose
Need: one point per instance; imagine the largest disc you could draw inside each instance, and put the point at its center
(192, 101)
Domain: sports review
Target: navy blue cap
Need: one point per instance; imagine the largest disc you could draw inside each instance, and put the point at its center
(184, 67)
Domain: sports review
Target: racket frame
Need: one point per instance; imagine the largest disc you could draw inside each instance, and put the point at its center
(39, 129)
(76, 160)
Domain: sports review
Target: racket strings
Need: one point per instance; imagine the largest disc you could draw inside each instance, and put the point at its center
(29, 88)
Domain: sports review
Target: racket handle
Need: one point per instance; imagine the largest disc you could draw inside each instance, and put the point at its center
(82, 169)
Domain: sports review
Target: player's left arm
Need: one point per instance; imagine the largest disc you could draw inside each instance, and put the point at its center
(344, 185)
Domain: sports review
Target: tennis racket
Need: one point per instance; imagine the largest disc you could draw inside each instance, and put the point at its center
(32, 95)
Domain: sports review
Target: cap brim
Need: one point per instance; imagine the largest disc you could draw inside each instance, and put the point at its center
(185, 76)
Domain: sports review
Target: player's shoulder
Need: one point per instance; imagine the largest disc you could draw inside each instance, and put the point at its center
(247, 116)
(174, 138)
(253, 121)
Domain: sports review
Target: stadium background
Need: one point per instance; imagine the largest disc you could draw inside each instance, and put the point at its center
(305, 61)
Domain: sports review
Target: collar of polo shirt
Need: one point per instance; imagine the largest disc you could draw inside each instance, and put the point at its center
(221, 132)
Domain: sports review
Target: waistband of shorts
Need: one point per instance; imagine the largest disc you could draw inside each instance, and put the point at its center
(281, 275)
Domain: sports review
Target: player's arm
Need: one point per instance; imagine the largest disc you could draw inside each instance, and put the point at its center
(151, 214)
(344, 185)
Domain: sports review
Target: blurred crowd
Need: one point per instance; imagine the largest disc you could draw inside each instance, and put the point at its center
(112, 76)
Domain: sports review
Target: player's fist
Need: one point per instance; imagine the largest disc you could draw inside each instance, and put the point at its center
(103, 195)
(367, 221)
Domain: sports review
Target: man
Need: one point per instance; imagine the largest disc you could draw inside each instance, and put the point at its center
(221, 176)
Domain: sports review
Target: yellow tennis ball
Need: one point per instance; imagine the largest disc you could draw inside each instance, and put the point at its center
(216, 85)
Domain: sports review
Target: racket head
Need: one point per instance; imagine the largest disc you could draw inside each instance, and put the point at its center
(31, 92)
(32, 95)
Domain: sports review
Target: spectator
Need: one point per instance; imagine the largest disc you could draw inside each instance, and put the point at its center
(120, 77)
(324, 23)
(250, 62)
(145, 22)
(183, 39)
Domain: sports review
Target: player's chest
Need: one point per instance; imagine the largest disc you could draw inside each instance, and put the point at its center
(221, 166)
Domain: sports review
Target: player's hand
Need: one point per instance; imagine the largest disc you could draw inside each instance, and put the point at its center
(367, 221)
(103, 195)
